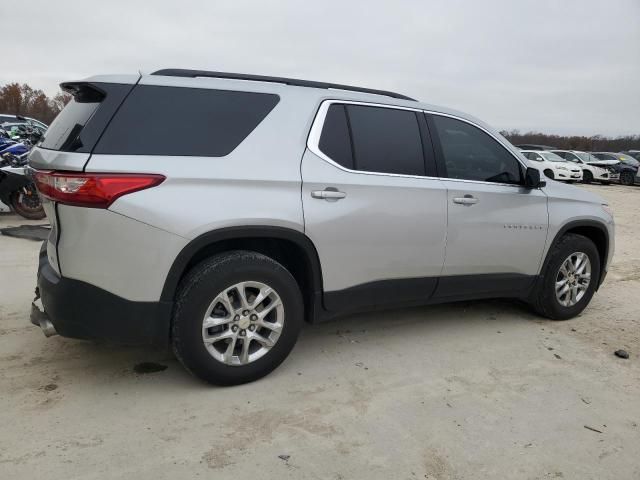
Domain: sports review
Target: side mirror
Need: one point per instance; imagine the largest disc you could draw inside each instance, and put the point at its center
(532, 178)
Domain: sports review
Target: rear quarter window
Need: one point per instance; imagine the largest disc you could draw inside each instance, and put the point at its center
(178, 121)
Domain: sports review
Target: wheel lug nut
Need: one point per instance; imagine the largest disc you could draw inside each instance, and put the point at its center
(254, 317)
(242, 333)
(236, 318)
(245, 313)
(234, 328)
(252, 327)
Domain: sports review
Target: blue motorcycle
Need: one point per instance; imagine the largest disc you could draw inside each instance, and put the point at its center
(14, 148)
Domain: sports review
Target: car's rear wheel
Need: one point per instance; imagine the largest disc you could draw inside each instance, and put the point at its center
(569, 279)
(626, 178)
(237, 317)
(549, 174)
(587, 176)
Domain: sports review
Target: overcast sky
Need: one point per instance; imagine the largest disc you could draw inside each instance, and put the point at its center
(564, 67)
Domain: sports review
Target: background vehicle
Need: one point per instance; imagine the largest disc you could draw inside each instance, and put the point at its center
(307, 201)
(589, 172)
(633, 153)
(627, 166)
(554, 166)
(19, 192)
(8, 118)
(534, 147)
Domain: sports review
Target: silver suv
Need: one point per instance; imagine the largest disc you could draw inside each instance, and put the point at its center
(218, 212)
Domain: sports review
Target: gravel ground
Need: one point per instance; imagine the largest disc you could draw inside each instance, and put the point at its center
(462, 391)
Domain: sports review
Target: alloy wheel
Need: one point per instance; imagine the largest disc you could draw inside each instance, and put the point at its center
(243, 323)
(573, 279)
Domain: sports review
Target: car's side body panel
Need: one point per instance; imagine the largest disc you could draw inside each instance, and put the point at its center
(393, 240)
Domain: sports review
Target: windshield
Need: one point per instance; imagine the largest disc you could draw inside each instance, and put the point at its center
(586, 157)
(571, 157)
(627, 159)
(551, 157)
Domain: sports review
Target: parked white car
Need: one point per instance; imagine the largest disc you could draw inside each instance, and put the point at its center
(554, 166)
(590, 173)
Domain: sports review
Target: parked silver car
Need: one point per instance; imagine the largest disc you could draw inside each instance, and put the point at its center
(274, 201)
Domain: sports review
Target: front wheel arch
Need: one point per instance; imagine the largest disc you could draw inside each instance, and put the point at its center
(595, 231)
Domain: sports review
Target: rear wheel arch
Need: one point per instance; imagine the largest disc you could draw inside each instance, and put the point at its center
(291, 248)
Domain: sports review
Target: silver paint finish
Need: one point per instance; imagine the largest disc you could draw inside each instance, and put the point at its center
(387, 226)
(44, 159)
(477, 241)
(123, 256)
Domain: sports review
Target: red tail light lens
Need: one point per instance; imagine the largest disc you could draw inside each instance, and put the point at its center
(97, 190)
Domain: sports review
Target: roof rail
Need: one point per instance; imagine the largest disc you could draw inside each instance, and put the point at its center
(177, 72)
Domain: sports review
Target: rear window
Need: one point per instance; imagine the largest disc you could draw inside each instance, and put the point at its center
(78, 127)
(212, 123)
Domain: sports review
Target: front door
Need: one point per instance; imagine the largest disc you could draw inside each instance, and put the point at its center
(497, 228)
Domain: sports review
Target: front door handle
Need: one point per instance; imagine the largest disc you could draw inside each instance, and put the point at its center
(466, 200)
(330, 194)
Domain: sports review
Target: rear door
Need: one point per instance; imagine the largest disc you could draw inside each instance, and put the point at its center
(496, 228)
(372, 205)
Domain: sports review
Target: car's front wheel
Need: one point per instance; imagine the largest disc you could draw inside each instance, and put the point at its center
(587, 176)
(569, 279)
(236, 318)
(626, 178)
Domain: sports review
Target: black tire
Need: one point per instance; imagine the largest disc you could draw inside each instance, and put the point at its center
(605, 182)
(544, 298)
(587, 176)
(549, 174)
(199, 288)
(626, 178)
(27, 206)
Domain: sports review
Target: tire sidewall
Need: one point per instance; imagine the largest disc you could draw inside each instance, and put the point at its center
(198, 295)
(560, 254)
(28, 214)
(626, 178)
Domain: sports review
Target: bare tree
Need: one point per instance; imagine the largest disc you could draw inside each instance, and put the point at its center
(19, 99)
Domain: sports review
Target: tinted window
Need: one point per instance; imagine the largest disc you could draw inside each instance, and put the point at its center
(386, 140)
(335, 142)
(471, 154)
(80, 124)
(212, 122)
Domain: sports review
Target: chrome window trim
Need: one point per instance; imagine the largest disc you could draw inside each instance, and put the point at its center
(313, 141)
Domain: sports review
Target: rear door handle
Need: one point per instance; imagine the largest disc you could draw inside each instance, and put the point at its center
(466, 200)
(330, 194)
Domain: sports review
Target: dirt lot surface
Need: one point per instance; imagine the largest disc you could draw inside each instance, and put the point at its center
(475, 390)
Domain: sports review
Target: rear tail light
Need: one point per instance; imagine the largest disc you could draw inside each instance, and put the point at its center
(96, 190)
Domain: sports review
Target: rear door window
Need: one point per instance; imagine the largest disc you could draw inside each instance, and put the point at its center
(212, 123)
(386, 140)
(335, 141)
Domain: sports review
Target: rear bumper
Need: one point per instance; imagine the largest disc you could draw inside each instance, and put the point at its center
(80, 310)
